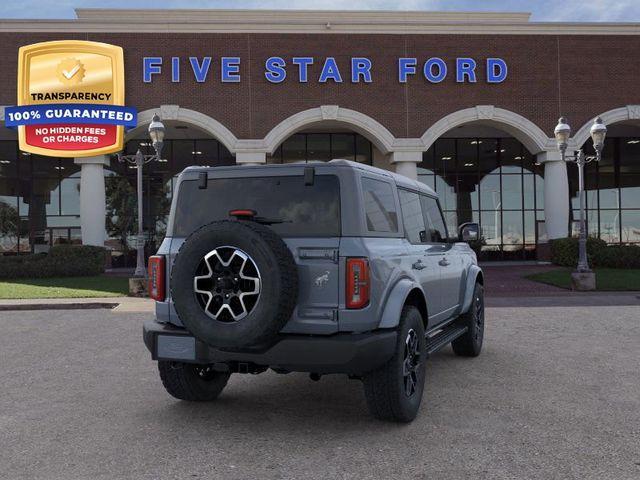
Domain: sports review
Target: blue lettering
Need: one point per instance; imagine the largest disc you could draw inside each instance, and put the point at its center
(465, 67)
(496, 70)
(330, 71)
(151, 66)
(200, 71)
(406, 66)
(303, 64)
(175, 69)
(275, 69)
(230, 69)
(360, 67)
(428, 70)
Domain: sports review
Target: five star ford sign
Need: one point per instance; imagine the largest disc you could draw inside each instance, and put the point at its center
(70, 99)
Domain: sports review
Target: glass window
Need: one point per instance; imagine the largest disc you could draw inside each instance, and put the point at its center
(467, 192)
(630, 190)
(488, 156)
(630, 221)
(379, 205)
(512, 192)
(428, 160)
(364, 150)
(206, 152)
(298, 210)
(182, 156)
(491, 224)
(70, 196)
(629, 155)
(8, 159)
(467, 155)
(530, 228)
(425, 177)
(436, 229)
(294, 149)
(490, 198)
(446, 192)
(318, 147)
(512, 228)
(511, 155)
(343, 146)
(610, 226)
(412, 217)
(45, 166)
(445, 156)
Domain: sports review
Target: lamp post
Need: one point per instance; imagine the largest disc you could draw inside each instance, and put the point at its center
(156, 133)
(598, 132)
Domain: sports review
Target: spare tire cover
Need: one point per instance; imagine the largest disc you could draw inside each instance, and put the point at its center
(234, 284)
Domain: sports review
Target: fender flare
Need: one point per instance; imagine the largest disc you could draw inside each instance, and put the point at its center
(395, 302)
(472, 275)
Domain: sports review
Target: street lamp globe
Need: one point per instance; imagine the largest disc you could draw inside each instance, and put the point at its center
(156, 132)
(598, 132)
(562, 133)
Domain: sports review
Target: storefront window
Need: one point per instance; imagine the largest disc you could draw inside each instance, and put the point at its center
(493, 181)
(307, 147)
(612, 190)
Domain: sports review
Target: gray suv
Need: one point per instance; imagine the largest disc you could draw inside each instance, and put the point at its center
(323, 268)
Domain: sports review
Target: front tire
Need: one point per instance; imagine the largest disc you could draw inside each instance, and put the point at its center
(470, 344)
(193, 383)
(394, 391)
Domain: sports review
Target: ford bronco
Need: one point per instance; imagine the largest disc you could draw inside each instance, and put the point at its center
(323, 268)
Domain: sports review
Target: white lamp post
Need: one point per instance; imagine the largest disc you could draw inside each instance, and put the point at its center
(156, 133)
(598, 132)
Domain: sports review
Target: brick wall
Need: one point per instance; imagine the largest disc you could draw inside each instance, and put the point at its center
(578, 76)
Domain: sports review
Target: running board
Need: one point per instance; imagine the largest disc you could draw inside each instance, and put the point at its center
(444, 338)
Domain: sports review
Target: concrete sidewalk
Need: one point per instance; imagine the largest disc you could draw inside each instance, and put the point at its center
(116, 304)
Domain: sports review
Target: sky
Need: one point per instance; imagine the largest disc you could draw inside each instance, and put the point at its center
(542, 10)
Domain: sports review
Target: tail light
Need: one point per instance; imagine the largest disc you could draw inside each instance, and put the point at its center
(156, 278)
(357, 282)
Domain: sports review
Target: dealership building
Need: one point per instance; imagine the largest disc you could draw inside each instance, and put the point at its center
(464, 102)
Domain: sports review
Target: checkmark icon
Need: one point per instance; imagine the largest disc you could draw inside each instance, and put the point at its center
(71, 73)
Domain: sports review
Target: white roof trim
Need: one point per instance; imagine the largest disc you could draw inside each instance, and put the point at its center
(311, 21)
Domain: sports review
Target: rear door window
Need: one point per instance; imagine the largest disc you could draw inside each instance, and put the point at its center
(436, 229)
(412, 217)
(295, 209)
(380, 206)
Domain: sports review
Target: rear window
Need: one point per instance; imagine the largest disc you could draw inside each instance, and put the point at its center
(301, 210)
(379, 206)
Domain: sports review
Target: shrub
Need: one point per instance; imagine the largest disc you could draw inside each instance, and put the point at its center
(564, 252)
(61, 261)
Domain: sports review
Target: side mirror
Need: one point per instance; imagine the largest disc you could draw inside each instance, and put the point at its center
(468, 232)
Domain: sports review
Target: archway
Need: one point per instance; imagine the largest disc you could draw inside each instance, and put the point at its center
(612, 186)
(328, 132)
(485, 170)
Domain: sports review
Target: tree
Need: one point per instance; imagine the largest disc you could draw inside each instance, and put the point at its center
(9, 222)
(122, 213)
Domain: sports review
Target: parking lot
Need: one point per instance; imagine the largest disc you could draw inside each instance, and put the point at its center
(555, 394)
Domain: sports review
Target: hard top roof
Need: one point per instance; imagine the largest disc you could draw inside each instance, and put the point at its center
(400, 180)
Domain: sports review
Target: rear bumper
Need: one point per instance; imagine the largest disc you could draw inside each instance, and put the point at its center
(341, 353)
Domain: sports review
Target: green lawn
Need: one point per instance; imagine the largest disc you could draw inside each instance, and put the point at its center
(70, 287)
(607, 279)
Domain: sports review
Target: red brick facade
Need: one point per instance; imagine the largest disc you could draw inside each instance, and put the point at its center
(578, 76)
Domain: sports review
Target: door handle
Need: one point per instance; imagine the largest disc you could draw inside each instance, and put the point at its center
(444, 262)
(418, 265)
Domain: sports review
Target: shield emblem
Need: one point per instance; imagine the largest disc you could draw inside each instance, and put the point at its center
(70, 73)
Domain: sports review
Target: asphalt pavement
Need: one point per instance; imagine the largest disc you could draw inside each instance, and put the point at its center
(554, 395)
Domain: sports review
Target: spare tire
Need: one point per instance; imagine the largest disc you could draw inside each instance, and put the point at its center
(234, 284)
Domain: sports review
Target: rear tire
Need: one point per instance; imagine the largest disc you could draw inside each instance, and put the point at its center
(470, 344)
(394, 391)
(194, 383)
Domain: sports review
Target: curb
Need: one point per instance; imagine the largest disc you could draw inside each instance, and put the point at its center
(58, 306)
